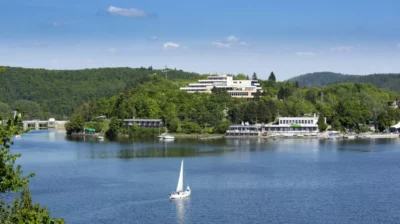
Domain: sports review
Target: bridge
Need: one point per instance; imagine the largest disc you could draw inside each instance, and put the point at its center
(43, 125)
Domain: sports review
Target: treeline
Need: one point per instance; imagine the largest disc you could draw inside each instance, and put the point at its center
(345, 105)
(385, 81)
(55, 93)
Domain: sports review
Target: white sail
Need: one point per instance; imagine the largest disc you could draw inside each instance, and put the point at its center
(179, 188)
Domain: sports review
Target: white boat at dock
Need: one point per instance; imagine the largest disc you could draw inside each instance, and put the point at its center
(166, 136)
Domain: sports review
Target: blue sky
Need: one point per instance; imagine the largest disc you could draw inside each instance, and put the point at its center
(287, 37)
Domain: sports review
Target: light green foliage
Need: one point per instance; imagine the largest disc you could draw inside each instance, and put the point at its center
(22, 210)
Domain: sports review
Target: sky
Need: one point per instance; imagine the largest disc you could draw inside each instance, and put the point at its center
(287, 37)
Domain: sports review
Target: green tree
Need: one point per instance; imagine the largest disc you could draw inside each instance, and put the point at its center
(113, 131)
(272, 77)
(76, 123)
(254, 76)
(22, 210)
(322, 126)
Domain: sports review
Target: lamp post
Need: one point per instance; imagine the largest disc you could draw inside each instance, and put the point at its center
(166, 72)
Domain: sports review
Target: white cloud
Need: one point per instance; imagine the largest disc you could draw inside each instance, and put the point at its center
(229, 42)
(305, 53)
(342, 49)
(232, 39)
(220, 44)
(127, 12)
(171, 45)
(112, 50)
(55, 23)
(154, 38)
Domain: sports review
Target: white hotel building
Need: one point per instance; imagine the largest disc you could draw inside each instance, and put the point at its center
(235, 88)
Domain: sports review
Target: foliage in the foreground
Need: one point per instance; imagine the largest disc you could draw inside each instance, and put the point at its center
(22, 210)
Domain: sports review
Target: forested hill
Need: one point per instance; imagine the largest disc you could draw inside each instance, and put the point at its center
(385, 81)
(46, 93)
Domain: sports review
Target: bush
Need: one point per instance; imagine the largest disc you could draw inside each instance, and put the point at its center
(222, 127)
(191, 127)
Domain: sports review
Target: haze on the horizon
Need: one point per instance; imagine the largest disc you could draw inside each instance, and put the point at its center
(287, 37)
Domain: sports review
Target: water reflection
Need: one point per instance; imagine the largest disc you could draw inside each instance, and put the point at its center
(181, 204)
(149, 151)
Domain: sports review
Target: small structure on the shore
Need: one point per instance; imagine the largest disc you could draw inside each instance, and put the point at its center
(242, 130)
(144, 123)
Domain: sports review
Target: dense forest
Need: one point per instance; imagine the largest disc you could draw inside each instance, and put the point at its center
(346, 105)
(385, 81)
(118, 93)
(55, 93)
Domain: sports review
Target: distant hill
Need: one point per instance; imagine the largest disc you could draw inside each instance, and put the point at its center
(55, 93)
(384, 81)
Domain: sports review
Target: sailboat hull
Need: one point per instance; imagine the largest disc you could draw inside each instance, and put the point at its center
(178, 195)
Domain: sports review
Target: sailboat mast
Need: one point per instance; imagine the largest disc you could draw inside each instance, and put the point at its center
(179, 188)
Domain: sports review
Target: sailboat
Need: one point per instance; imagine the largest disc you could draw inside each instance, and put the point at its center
(179, 193)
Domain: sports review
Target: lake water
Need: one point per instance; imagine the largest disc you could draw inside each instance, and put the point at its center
(232, 180)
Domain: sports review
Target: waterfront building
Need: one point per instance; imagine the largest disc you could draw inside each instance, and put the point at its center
(236, 88)
(244, 130)
(286, 126)
(294, 125)
(144, 123)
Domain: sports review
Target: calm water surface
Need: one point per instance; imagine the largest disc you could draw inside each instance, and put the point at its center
(232, 181)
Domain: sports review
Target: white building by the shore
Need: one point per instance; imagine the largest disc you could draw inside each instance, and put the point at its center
(285, 126)
(294, 125)
(235, 88)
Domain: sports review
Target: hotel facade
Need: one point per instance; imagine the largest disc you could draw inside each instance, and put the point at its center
(235, 88)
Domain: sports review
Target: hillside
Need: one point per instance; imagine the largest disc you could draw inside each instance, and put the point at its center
(384, 81)
(56, 93)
